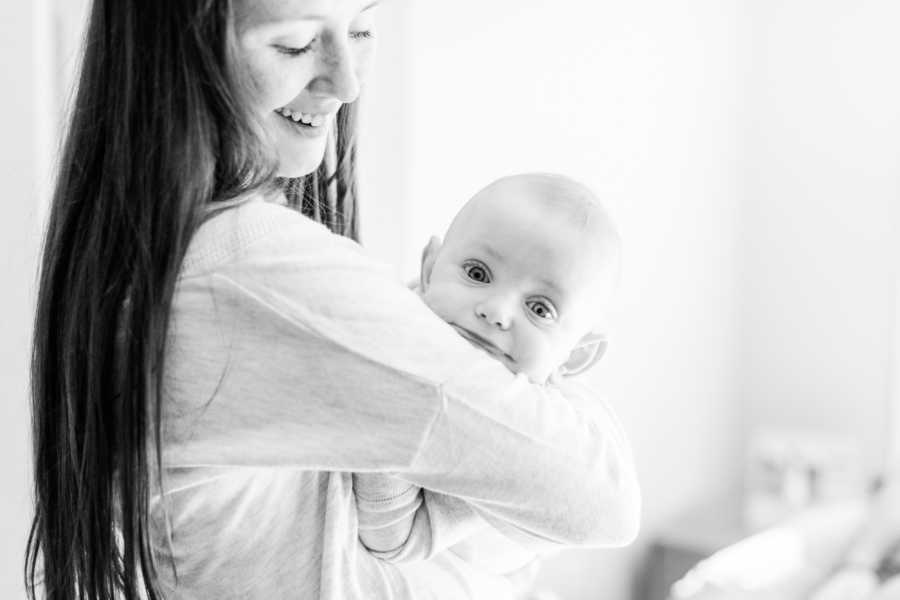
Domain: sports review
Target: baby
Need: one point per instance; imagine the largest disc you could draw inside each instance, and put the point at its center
(526, 273)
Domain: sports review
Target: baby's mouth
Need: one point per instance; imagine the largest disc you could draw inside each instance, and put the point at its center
(482, 342)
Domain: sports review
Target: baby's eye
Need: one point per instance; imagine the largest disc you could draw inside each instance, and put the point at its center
(476, 271)
(542, 309)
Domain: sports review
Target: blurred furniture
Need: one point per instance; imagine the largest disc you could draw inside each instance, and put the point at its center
(783, 562)
(689, 538)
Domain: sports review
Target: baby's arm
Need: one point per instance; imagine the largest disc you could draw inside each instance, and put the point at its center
(386, 508)
(400, 522)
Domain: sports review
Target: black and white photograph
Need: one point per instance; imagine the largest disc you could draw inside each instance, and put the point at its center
(470, 300)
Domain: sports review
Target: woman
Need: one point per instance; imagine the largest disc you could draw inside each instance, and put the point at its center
(211, 365)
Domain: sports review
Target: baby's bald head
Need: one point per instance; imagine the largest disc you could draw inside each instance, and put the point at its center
(554, 193)
(555, 201)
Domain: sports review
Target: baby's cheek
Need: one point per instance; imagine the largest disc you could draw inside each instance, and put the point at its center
(438, 303)
(554, 355)
(534, 361)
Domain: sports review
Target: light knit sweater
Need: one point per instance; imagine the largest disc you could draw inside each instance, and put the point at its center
(294, 360)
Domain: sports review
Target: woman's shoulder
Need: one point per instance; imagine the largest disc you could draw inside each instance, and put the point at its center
(256, 224)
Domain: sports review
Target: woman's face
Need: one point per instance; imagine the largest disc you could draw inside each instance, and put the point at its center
(305, 58)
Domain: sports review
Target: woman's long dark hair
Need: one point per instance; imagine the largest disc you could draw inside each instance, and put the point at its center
(158, 136)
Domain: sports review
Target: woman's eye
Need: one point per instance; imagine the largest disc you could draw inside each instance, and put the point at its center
(295, 51)
(290, 51)
(541, 310)
(477, 272)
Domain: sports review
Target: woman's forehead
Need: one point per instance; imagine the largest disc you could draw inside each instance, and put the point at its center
(252, 13)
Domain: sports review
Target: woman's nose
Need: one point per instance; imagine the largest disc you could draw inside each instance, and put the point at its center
(337, 71)
(496, 311)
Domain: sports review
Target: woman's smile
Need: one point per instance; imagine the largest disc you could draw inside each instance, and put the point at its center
(307, 124)
(304, 59)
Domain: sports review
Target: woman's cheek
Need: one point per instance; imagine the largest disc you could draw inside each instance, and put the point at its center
(250, 64)
(365, 58)
(274, 84)
(275, 91)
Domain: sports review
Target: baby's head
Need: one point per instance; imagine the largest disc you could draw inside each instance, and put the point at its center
(527, 271)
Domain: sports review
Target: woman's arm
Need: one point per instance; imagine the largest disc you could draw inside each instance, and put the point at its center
(397, 526)
(290, 347)
(421, 525)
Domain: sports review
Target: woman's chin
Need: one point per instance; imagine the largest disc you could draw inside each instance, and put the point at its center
(292, 168)
(293, 173)
(299, 160)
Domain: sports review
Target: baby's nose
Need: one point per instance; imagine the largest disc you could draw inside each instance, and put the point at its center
(496, 312)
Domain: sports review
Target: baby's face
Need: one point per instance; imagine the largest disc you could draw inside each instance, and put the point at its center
(519, 282)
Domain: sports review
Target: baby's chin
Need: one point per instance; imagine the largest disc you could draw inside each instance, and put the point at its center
(538, 376)
(542, 377)
(535, 374)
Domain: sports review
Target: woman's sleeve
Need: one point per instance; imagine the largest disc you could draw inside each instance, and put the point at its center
(300, 351)
(436, 522)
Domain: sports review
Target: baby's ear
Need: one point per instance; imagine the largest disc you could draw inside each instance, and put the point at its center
(589, 350)
(429, 254)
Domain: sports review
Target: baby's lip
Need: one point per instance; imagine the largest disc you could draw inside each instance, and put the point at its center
(481, 342)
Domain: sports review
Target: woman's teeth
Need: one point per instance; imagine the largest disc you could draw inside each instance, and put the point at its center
(313, 120)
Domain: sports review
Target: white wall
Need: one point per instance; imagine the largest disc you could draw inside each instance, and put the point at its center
(19, 163)
(640, 100)
(386, 147)
(820, 220)
(39, 44)
(892, 456)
